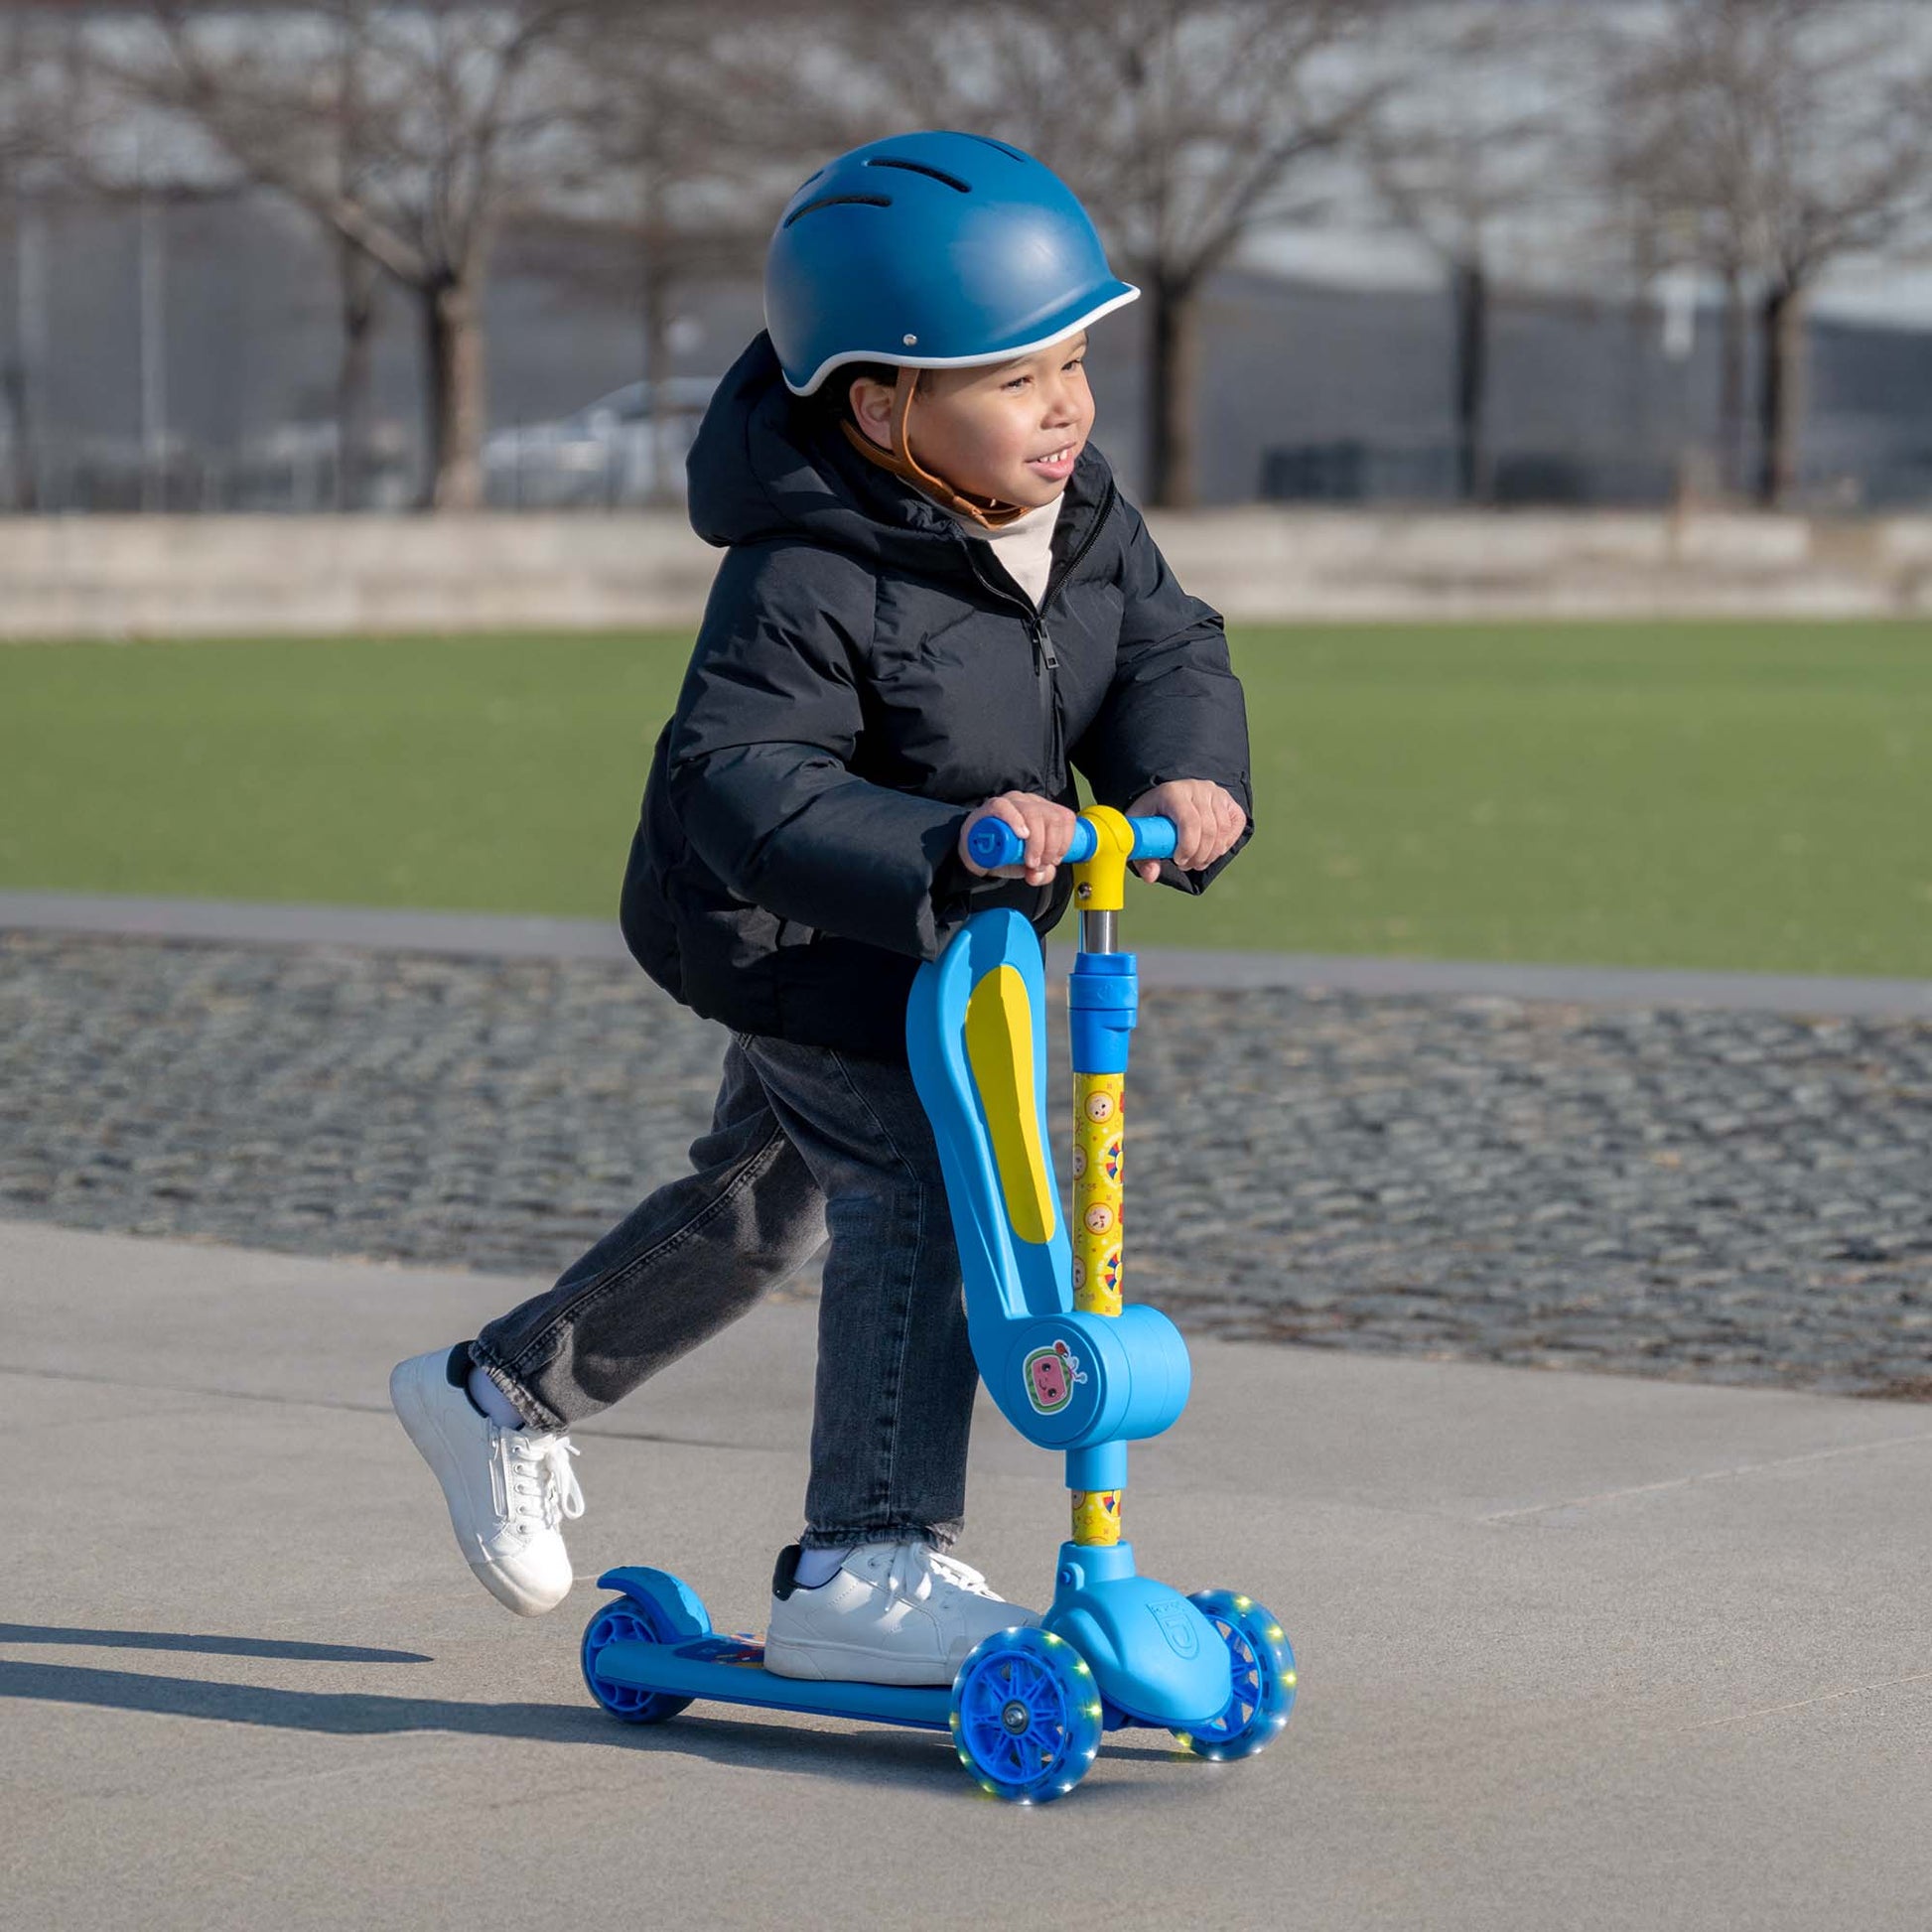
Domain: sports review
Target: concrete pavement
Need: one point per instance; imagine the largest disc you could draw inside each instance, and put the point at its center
(1575, 1651)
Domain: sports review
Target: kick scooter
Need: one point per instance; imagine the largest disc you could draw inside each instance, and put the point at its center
(1070, 1366)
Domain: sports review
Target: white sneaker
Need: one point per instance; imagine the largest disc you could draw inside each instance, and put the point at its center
(507, 1488)
(894, 1613)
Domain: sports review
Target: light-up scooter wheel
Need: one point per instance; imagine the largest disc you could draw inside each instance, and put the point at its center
(1263, 1665)
(1025, 1715)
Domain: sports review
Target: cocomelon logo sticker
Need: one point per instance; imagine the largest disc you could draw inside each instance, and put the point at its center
(1050, 1375)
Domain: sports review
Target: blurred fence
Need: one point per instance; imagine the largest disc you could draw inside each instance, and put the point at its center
(297, 470)
(602, 459)
(292, 470)
(1353, 470)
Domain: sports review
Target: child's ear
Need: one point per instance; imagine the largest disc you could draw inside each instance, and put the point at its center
(872, 410)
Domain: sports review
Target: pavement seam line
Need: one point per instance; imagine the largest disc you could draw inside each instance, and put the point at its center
(1708, 1475)
(382, 928)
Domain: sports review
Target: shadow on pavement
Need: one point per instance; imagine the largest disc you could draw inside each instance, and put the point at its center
(874, 1754)
(308, 1653)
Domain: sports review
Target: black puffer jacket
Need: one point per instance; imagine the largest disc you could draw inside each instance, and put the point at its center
(866, 674)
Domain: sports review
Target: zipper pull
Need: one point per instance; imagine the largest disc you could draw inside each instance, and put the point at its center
(1045, 638)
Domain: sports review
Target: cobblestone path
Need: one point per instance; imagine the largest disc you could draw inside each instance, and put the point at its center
(1720, 1196)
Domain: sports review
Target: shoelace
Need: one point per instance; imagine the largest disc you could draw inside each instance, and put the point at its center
(539, 1485)
(914, 1557)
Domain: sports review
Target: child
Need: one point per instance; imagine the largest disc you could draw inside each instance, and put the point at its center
(933, 603)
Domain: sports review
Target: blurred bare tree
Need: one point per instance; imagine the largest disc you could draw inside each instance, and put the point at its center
(410, 132)
(29, 95)
(1760, 140)
(19, 147)
(356, 270)
(1479, 127)
(1777, 136)
(37, 87)
(689, 125)
(1184, 125)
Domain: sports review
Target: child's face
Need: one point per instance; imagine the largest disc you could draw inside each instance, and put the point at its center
(987, 430)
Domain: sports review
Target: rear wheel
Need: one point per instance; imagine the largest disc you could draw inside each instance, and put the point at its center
(626, 1620)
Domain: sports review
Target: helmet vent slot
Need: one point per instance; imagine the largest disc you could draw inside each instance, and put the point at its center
(837, 201)
(920, 168)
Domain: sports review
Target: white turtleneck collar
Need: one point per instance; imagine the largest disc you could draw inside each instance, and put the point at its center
(1024, 547)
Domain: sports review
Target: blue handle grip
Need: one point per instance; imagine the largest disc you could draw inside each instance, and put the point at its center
(993, 841)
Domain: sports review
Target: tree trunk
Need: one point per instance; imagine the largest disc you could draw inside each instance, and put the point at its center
(151, 269)
(454, 366)
(1781, 322)
(353, 398)
(1469, 290)
(1173, 374)
(27, 365)
(1731, 385)
(658, 363)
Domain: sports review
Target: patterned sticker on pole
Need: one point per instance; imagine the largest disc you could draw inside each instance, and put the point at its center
(1098, 1099)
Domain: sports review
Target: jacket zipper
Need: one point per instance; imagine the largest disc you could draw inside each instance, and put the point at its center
(1045, 662)
(1044, 665)
(1086, 543)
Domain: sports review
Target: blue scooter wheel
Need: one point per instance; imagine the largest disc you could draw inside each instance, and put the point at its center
(1026, 1715)
(1263, 1664)
(626, 1620)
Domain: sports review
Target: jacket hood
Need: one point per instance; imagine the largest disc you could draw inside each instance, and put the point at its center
(761, 468)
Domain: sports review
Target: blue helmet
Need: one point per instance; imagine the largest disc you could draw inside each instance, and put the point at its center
(931, 251)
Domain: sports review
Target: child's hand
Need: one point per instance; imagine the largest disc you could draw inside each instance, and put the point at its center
(1206, 822)
(1047, 827)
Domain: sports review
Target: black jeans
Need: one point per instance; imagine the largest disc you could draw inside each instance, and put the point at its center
(803, 1141)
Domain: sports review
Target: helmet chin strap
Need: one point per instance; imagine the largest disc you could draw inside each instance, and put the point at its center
(900, 460)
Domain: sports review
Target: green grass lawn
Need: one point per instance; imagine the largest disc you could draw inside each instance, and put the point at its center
(1712, 795)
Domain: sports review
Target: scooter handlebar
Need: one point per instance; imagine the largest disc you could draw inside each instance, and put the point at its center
(993, 841)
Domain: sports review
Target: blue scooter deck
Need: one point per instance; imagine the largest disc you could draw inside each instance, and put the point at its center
(732, 1670)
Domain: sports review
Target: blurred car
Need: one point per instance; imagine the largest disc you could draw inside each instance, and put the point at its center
(627, 446)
